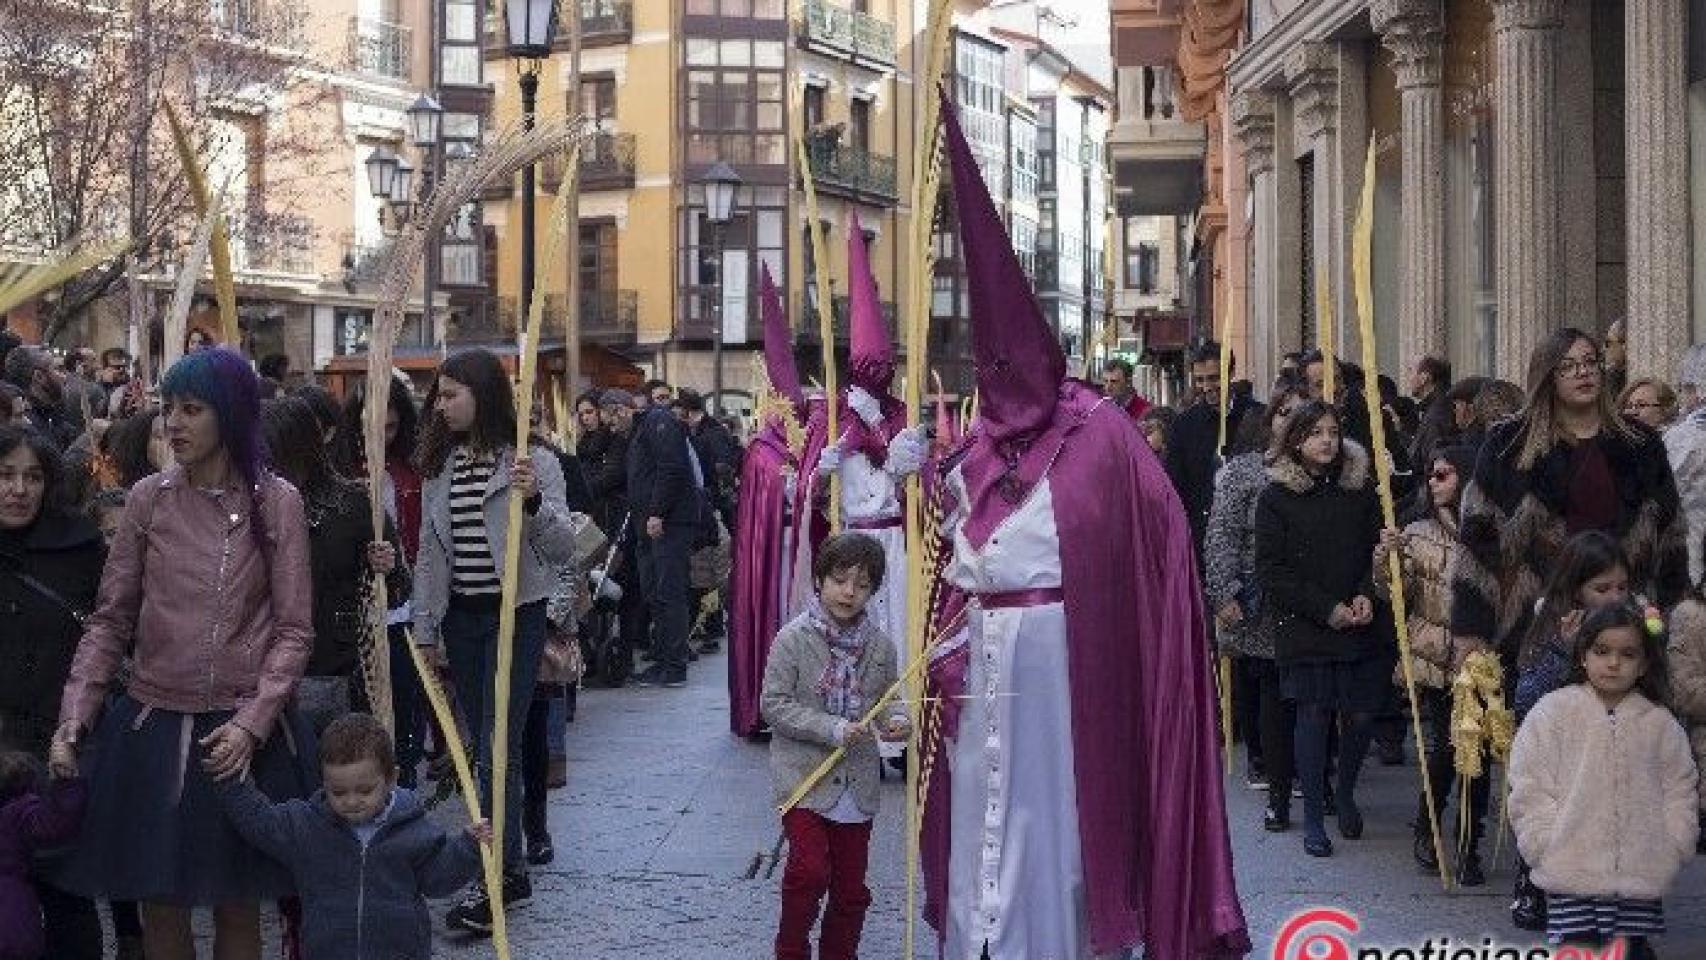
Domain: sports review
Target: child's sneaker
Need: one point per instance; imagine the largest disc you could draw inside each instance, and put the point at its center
(474, 913)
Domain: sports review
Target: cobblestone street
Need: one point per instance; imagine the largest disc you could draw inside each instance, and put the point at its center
(666, 831)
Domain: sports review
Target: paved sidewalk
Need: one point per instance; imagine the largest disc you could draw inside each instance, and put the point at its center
(665, 832)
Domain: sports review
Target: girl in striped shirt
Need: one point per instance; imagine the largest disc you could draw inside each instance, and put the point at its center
(471, 470)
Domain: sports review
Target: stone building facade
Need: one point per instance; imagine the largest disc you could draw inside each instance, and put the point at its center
(1532, 170)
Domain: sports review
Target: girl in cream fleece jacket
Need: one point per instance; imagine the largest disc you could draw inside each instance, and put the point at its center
(1602, 786)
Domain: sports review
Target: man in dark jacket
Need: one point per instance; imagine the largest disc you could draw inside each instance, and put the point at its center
(32, 370)
(1193, 444)
(720, 454)
(663, 482)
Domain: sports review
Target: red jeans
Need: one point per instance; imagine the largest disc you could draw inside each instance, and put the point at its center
(823, 857)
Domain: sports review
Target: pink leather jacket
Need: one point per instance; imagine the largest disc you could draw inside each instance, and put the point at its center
(215, 622)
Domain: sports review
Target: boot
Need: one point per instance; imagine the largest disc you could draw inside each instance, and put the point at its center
(1528, 906)
(1422, 846)
(1277, 817)
(1315, 842)
(1349, 814)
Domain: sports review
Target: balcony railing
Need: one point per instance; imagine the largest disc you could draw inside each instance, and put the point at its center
(610, 317)
(274, 243)
(604, 20)
(607, 161)
(364, 263)
(379, 48)
(853, 173)
(838, 30)
(842, 314)
(261, 21)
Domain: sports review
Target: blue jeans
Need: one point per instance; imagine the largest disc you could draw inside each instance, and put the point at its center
(471, 646)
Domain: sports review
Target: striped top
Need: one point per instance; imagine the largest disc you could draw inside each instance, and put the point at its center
(473, 571)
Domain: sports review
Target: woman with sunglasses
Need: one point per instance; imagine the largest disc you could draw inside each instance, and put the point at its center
(1568, 463)
(1242, 627)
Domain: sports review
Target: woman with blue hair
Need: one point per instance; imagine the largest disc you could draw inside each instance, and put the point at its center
(207, 588)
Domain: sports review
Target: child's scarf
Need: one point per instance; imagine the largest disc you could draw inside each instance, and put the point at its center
(839, 683)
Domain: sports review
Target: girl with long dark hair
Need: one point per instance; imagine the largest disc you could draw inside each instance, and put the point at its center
(1316, 527)
(471, 470)
(207, 587)
(401, 490)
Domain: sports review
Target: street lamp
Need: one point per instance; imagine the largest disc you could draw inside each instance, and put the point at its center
(426, 118)
(381, 171)
(531, 26)
(720, 184)
(403, 186)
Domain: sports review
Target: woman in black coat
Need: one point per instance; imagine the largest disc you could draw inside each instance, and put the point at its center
(50, 571)
(1316, 527)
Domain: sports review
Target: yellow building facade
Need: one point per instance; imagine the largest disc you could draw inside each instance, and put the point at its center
(673, 87)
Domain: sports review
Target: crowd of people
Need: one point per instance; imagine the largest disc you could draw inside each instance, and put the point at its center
(190, 572)
(186, 593)
(1555, 525)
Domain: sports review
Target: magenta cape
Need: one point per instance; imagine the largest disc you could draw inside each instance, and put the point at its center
(755, 596)
(1151, 811)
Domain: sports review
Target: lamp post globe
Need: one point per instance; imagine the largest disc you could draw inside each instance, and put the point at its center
(381, 172)
(426, 120)
(403, 185)
(720, 183)
(531, 26)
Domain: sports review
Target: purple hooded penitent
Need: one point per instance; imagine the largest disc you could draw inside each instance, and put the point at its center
(762, 547)
(870, 352)
(1156, 855)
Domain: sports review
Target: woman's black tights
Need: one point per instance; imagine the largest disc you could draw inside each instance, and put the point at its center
(1314, 727)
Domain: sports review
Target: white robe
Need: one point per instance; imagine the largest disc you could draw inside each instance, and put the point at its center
(1015, 866)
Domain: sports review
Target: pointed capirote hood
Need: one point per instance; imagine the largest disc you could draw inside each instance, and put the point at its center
(870, 360)
(779, 343)
(1017, 356)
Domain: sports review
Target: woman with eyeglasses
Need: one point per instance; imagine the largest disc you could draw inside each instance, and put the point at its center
(1568, 463)
(1651, 401)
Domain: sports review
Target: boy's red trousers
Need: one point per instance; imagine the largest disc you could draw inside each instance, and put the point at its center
(823, 857)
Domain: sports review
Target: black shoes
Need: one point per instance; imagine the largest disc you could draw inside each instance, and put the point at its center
(1350, 819)
(539, 850)
(474, 913)
(1469, 870)
(1315, 842)
(1276, 819)
(1422, 848)
(1391, 752)
(658, 676)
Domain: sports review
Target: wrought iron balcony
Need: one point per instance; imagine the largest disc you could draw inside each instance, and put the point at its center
(607, 162)
(610, 317)
(852, 173)
(379, 48)
(260, 21)
(364, 263)
(274, 243)
(606, 21)
(841, 307)
(840, 31)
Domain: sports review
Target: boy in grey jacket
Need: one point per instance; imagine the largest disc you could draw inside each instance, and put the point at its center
(826, 669)
(363, 853)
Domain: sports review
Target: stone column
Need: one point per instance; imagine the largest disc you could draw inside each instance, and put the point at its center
(1415, 33)
(1656, 151)
(1253, 125)
(1527, 254)
(1312, 71)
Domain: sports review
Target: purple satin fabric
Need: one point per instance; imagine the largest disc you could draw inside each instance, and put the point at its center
(755, 606)
(1157, 855)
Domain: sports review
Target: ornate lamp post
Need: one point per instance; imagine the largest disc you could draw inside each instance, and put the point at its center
(720, 184)
(531, 26)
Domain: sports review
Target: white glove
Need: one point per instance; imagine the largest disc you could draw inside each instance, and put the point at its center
(907, 452)
(866, 406)
(790, 484)
(829, 461)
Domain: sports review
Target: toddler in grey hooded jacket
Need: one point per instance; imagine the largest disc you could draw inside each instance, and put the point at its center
(360, 901)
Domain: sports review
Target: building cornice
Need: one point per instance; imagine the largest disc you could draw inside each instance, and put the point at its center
(1262, 62)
